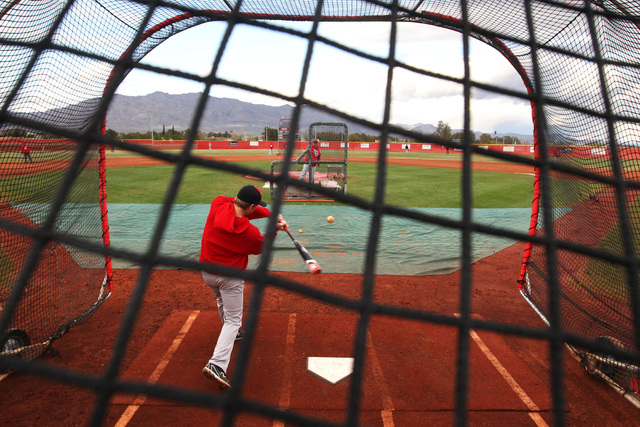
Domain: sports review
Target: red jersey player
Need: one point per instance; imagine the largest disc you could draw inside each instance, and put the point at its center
(228, 239)
(26, 152)
(315, 155)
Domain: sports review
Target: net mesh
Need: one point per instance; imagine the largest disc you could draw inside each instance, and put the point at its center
(578, 62)
(56, 281)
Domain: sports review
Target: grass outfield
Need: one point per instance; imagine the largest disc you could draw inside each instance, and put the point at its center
(454, 156)
(407, 186)
(42, 187)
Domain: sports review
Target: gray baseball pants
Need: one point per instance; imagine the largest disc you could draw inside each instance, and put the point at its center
(229, 296)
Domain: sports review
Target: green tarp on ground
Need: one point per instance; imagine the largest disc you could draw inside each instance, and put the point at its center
(406, 247)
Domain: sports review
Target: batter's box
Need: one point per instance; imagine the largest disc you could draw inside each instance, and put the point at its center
(409, 365)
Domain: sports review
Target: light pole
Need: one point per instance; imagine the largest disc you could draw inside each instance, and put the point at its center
(266, 135)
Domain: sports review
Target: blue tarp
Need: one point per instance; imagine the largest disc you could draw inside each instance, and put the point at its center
(406, 247)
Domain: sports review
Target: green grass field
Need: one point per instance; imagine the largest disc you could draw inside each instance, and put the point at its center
(407, 186)
(454, 156)
(44, 188)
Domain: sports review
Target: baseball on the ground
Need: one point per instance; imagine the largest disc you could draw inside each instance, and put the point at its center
(329, 219)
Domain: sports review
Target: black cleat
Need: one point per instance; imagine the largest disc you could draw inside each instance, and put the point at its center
(214, 372)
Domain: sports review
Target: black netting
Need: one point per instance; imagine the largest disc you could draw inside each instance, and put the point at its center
(66, 280)
(61, 62)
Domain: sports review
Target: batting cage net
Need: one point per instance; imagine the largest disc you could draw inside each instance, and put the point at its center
(323, 162)
(62, 61)
(52, 210)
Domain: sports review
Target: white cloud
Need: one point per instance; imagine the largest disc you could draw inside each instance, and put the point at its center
(408, 85)
(142, 82)
(412, 111)
(264, 59)
(488, 66)
(274, 61)
(501, 115)
(347, 83)
(368, 37)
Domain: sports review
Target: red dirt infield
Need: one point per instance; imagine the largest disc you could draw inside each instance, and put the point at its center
(409, 372)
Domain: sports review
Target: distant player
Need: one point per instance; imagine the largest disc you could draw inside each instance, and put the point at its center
(315, 156)
(26, 152)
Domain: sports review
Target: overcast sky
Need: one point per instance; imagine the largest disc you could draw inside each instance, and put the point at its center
(274, 61)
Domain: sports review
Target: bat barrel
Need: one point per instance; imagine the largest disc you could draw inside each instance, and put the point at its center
(314, 267)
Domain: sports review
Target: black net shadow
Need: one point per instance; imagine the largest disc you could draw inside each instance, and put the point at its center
(578, 62)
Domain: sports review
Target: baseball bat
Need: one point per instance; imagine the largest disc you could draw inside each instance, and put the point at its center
(312, 264)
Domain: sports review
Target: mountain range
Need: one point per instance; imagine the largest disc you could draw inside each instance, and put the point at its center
(160, 110)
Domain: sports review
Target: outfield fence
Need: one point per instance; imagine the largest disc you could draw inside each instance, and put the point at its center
(412, 147)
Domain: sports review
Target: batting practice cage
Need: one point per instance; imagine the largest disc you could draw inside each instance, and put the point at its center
(61, 62)
(329, 171)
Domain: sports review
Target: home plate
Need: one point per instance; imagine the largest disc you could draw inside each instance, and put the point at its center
(331, 369)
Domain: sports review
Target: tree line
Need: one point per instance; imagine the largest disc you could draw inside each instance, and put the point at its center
(443, 130)
(169, 134)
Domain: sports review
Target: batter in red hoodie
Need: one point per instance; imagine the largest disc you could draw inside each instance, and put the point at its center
(228, 239)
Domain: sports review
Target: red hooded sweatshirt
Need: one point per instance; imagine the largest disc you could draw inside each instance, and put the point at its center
(227, 239)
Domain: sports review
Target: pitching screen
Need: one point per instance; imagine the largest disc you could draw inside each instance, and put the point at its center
(322, 162)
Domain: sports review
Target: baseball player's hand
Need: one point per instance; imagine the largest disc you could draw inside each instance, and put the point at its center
(282, 224)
